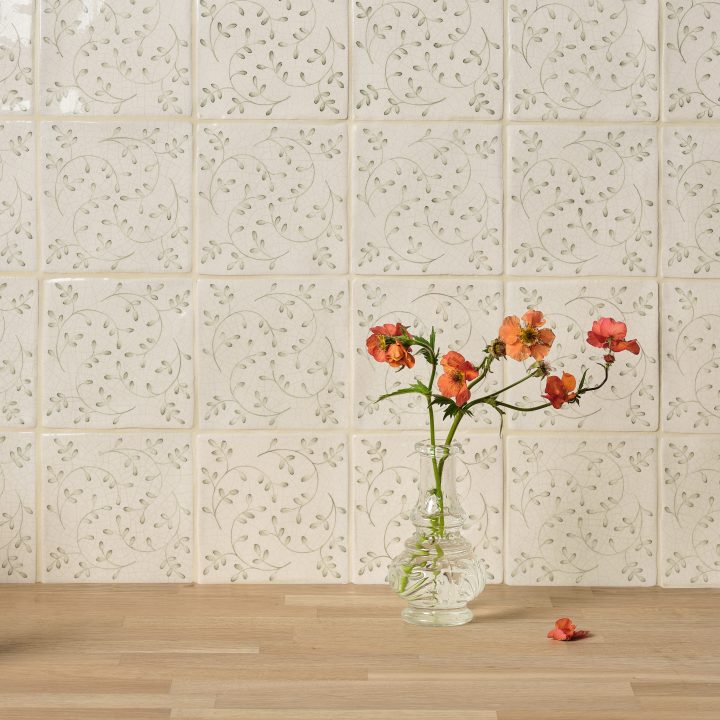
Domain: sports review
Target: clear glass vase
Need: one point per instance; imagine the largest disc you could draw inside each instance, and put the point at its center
(437, 572)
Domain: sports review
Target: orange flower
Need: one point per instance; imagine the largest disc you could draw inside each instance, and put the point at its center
(384, 348)
(526, 338)
(399, 356)
(565, 630)
(560, 390)
(610, 334)
(457, 373)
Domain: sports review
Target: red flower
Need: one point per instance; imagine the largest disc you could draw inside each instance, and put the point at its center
(560, 390)
(457, 373)
(565, 630)
(384, 348)
(610, 334)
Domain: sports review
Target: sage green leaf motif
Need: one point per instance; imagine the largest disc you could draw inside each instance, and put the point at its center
(18, 350)
(105, 58)
(385, 491)
(271, 509)
(691, 202)
(690, 516)
(691, 360)
(273, 58)
(691, 59)
(582, 511)
(428, 59)
(117, 508)
(630, 400)
(117, 197)
(583, 201)
(273, 354)
(466, 316)
(583, 59)
(16, 56)
(118, 353)
(17, 507)
(17, 196)
(428, 199)
(272, 199)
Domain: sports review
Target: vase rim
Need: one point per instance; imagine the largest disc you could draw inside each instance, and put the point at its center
(438, 450)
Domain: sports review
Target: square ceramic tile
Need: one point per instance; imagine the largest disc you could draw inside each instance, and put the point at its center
(690, 516)
(629, 400)
(691, 201)
(583, 201)
(17, 507)
(16, 56)
(466, 316)
(17, 196)
(273, 354)
(273, 59)
(385, 491)
(581, 510)
(273, 508)
(130, 57)
(691, 65)
(272, 199)
(118, 353)
(117, 508)
(691, 362)
(116, 196)
(427, 199)
(583, 60)
(18, 350)
(428, 59)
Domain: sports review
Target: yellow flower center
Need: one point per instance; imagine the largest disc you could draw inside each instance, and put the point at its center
(528, 335)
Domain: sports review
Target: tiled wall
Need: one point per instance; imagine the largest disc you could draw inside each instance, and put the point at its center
(205, 204)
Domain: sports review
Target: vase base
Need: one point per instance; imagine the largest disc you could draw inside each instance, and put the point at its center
(437, 618)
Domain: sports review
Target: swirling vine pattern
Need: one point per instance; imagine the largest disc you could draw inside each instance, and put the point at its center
(16, 50)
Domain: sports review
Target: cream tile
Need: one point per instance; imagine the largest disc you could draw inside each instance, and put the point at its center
(16, 56)
(118, 353)
(583, 60)
(272, 199)
(273, 59)
(427, 59)
(117, 196)
(17, 507)
(581, 510)
(629, 400)
(427, 199)
(273, 508)
(466, 316)
(130, 58)
(385, 491)
(273, 354)
(117, 508)
(583, 200)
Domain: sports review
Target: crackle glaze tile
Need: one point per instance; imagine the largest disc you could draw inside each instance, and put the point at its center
(273, 58)
(581, 510)
(691, 202)
(427, 199)
(629, 400)
(116, 197)
(689, 524)
(385, 491)
(273, 508)
(691, 60)
(18, 350)
(16, 56)
(117, 508)
(130, 57)
(273, 354)
(272, 199)
(583, 201)
(583, 60)
(428, 59)
(17, 196)
(466, 316)
(17, 507)
(118, 353)
(691, 362)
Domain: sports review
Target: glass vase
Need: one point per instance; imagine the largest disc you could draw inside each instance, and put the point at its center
(437, 572)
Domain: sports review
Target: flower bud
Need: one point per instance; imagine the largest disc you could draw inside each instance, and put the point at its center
(496, 349)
